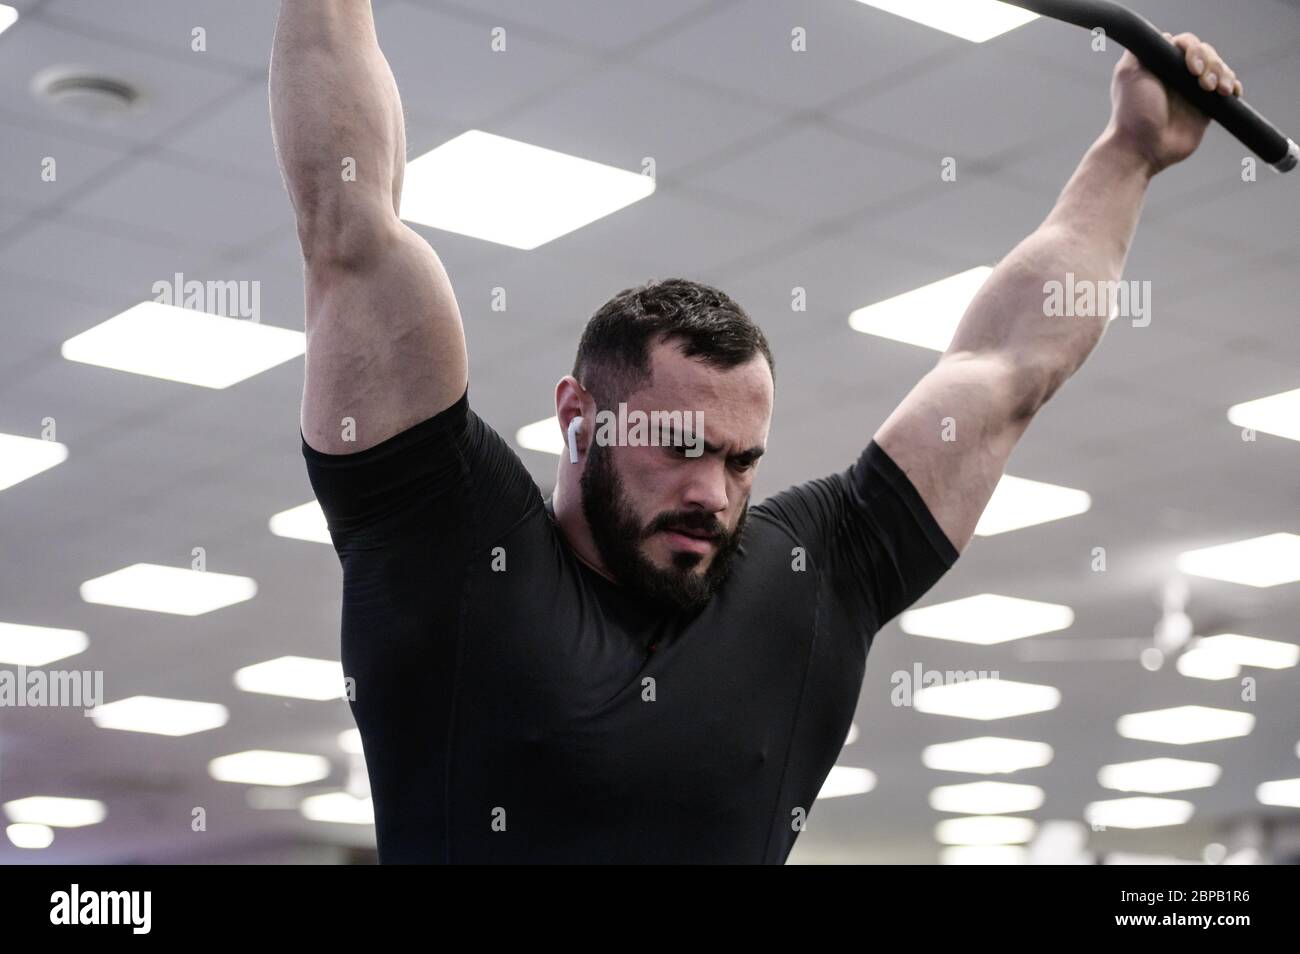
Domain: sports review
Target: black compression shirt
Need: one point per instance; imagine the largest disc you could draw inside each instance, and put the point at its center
(516, 706)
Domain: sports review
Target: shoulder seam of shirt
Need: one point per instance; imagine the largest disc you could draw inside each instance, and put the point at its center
(769, 517)
(875, 457)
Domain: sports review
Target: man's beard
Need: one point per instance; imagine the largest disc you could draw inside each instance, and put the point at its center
(619, 534)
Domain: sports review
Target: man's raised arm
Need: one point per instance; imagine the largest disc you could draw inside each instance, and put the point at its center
(385, 347)
(954, 432)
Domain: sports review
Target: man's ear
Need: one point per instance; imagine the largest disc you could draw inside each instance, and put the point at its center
(568, 393)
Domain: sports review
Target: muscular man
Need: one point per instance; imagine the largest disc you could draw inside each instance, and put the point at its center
(642, 667)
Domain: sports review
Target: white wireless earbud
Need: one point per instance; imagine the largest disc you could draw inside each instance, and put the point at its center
(575, 425)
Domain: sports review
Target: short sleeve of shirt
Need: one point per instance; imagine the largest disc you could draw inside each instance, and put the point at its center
(450, 470)
(872, 533)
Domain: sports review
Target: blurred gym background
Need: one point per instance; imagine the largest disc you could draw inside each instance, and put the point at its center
(1145, 703)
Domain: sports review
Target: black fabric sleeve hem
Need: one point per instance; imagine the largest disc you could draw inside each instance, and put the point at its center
(874, 456)
(392, 445)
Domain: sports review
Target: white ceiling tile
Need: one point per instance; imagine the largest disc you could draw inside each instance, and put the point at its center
(200, 211)
(446, 67)
(804, 175)
(24, 162)
(626, 113)
(671, 234)
(592, 23)
(748, 48)
(957, 109)
(122, 268)
(235, 33)
(172, 90)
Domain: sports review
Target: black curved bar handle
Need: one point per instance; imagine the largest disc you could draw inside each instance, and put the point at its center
(1148, 44)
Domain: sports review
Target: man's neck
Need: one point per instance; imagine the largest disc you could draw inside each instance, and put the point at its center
(572, 523)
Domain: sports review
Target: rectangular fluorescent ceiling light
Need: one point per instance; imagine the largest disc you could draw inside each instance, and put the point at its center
(1196, 664)
(350, 741)
(262, 767)
(927, 316)
(1157, 776)
(304, 522)
(542, 436)
(1284, 792)
(974, 20)
(168, 589)
(986, 798)
(986, 619)
(513, 193)
(23, 457)
(983, 855)
(1278, 415)
(159, 716)
(8, 16)
(30, 836)
(22, 645)
(843, 780)
(180, 344)
(986, 699)
(1258, 561)
(986, 755)
(338, 807)
(1138, 812)
(1018, 503)
(55, 811)
(1250, 650)
(1185, 725)
(985, 830)
(297, 677)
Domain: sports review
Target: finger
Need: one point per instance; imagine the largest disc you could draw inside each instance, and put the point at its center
(1239, 90)
(1190, 44)
(1218, 70)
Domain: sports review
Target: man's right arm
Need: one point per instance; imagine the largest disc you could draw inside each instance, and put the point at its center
(385, 346)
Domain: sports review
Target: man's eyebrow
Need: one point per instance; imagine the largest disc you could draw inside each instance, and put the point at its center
(753, 453)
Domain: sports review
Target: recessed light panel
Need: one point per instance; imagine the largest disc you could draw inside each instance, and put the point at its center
(1157, 776)
(304, 522)
(1138, 812)
(159, 716)
(168, 589)
(263, 767)
(986, 619)
(986, 699)
(927, 316)
(843, 780)
(184, 345)
(1278, 414)
(513, 193)
(56, 811)
(23, 457)
(974, 20)
(1017, 503)
(986, 755)
(1186, 725)
(22, 645)
(1260, 561)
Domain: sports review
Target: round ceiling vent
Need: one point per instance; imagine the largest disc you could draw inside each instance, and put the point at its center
(85, 95)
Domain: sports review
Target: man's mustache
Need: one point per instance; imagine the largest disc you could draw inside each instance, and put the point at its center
(698, 523)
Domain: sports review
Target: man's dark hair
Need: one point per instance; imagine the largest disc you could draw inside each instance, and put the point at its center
(613, 358)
